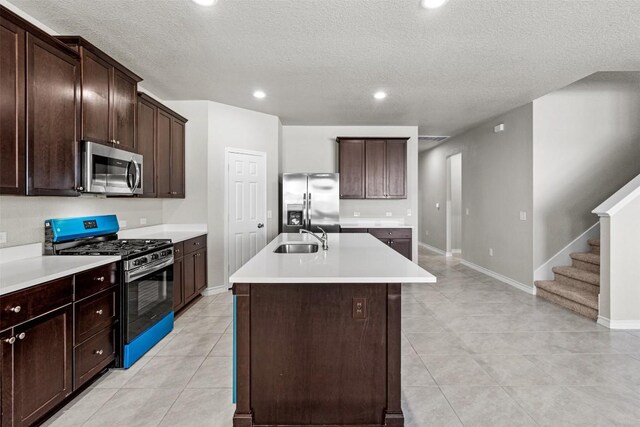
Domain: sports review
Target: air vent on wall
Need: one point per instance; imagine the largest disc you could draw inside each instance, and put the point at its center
(432, 138)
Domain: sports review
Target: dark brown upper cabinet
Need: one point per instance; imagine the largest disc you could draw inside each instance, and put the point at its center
(161, 141)
(108, 96)
(12, 108)
(39, 83)
(351, 168)
(372, 168)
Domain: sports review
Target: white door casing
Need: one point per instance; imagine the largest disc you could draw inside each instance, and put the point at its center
(246, 207)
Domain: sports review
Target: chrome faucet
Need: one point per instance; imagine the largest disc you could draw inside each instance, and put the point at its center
(324, 239)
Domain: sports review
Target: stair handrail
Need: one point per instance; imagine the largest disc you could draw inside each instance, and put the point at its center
(619, 199)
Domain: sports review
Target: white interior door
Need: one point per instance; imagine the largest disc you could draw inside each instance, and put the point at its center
(246, 207)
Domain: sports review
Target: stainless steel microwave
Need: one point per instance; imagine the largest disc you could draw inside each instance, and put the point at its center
(109, 170)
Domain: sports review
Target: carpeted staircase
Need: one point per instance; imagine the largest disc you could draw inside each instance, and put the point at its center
(576, 287)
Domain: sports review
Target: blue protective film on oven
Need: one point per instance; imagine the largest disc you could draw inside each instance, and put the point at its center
(65, 229)
(146, 340)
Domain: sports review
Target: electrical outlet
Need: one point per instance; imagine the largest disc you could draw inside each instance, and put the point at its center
(143, 221)
(360, 308)
(123, 223)
(437, 205)
(467, 211)
(523, 216)
(356, 214)
(269, 214)
(499, 128)
(490, 251)
(408, 212)
(3, 237)
(389, 214)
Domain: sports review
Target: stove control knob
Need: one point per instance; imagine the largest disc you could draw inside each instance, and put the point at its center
(155, 256)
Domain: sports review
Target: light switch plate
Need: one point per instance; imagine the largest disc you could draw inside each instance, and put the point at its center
(499, 128)
(269, 214)
(389, 214)
(143, 221)
(523, 216)
(3, 237)
(467, 211)
(490, 251)
(408, 212)
(356, 214)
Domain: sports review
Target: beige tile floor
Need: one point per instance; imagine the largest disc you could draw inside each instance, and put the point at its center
(474, 352)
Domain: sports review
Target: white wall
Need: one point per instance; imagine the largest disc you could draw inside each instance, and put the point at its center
(497, 183)
(586, 145)
(314, 149)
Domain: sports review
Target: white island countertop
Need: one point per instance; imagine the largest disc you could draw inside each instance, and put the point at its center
(351, 258)
(175, 232)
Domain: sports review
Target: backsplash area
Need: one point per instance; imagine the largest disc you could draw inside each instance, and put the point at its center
(22, 218)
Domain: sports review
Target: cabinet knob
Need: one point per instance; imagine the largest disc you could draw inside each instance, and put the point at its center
(10, 340)
(99, 352)
(391, 242)
(118, 142)
(21, 335)
(99, 312)
(99, 279)
(15, 309)
(79, 188)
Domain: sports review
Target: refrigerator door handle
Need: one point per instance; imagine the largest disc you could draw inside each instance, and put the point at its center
(309, 211)
(305, 210)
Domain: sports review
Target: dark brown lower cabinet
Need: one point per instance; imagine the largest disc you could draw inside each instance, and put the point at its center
(189, 270)
(305, 357)
(37, 367)
(54, 338)
(399, 239)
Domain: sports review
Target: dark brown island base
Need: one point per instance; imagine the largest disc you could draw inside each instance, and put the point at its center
(323, 350)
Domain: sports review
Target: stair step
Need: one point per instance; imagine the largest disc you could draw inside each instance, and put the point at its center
(578, 275)
(594, 242)
(586, 311)
(580, 296)
(586, 257)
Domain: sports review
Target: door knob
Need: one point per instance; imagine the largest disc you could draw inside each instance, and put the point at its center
(260, 225)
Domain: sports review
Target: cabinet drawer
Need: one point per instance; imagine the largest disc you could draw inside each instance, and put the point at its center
(178, 250)
(96, 280)
(23, 305)
(94, 354)
(353, 230)
(194, 244)
(96, 313)
(391, 233)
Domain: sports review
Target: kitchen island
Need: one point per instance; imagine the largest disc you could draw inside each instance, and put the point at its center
(317, 335)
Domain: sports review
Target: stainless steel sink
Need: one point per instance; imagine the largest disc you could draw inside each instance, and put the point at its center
(297, 248)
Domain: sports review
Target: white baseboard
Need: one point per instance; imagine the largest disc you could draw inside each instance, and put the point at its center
(456, 251)
(214, 290)
(521, 286)
(579, 244)
(432, 248)
(618, 324)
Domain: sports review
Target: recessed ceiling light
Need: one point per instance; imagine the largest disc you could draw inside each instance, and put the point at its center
(259, 94)
(432, 4)
(380, 95)
(205, 2)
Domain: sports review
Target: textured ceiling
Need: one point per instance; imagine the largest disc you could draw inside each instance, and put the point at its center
(319, 61)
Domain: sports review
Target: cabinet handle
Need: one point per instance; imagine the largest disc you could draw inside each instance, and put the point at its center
(99, 352)
(99, 312)
(10, 341)
(21, 335)
(15, 309)
(99, 279)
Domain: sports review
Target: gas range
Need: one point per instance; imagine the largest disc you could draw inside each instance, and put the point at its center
(146, 268)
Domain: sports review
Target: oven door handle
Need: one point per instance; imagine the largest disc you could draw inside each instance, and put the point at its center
(132, 275)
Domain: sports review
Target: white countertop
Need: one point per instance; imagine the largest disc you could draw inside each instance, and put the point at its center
(351, 258)
(23, 273)
(175, 232)
(373, 223)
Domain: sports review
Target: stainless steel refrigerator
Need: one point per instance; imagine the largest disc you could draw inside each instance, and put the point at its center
(309, 201)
